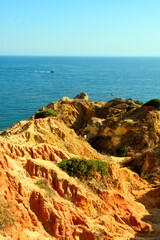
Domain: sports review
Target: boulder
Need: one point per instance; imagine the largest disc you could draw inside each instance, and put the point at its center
(66, 99)
(82, 95)
(118, 101)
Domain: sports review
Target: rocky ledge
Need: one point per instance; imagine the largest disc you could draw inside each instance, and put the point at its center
(38, 200)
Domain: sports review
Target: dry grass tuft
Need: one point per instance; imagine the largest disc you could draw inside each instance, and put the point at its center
(43, 184)
(6, 217)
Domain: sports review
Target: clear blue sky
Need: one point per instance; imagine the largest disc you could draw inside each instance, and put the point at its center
(80, 27)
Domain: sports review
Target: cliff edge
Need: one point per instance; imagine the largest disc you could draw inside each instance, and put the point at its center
(38, 200)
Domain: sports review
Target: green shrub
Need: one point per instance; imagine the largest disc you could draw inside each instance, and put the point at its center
(6, 217)
(100, 166)
(82, 167)
(122, 152)
(149, 176)
(43, 184)
(154, 103)
(45, 113)
(138, 102)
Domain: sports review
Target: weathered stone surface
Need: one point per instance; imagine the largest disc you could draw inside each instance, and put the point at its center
(118, 123)
(66, 99)
(121, 206)
(82, 95)
(119, 100)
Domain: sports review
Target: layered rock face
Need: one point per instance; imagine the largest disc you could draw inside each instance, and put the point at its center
(113, 125)
(113, 207)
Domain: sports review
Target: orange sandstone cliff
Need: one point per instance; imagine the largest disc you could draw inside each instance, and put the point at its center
(121, 206)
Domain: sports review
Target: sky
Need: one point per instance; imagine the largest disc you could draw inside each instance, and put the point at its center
(80, 28)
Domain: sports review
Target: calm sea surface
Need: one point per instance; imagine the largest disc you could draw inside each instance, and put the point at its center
(26, 83)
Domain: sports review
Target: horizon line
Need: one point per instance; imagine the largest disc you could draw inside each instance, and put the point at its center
(23, 55)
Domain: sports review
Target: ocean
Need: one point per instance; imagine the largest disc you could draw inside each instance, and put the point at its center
(26, 83)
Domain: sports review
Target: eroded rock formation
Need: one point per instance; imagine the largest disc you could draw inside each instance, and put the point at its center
(121, 206)
(112, 125)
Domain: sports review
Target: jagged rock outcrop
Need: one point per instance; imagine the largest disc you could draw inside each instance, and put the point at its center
(73, 212)
(46, 137)
(147, 164)
(82, 95)
(110, 126)
(121, 206)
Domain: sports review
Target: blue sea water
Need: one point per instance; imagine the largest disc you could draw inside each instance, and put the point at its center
(26, 83)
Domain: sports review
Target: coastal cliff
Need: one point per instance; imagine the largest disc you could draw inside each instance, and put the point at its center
(38, 200)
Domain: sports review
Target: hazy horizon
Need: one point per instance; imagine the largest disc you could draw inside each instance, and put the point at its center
(79, 56)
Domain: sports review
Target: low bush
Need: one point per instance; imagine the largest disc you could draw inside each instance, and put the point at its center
(6, 217)
(122, 152)
(45, 113)
(154, 103)
(83, 168)
(138, 102)
(43, 184)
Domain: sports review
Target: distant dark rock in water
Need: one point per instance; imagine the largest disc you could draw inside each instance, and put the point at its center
(52, 71)
(82, 95)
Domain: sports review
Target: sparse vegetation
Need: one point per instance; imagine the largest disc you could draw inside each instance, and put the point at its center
(149, 176)
(43, 184)
(152, 175)
(122, 152)
(154, 103)
(138, 102)
(45, 113)
(6, 217)
(83, 168)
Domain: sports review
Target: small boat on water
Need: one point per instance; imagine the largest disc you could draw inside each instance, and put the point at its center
(52, 71)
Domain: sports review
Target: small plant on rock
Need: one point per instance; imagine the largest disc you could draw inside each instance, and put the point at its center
(122, 152)
(43, 184)
(14, 124)
(138, 102)
(45, 113)
(150, 176)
